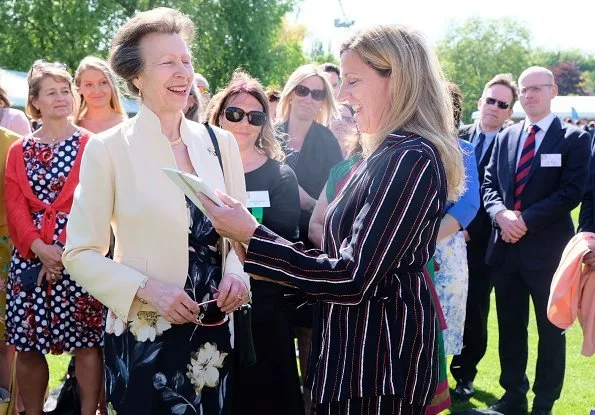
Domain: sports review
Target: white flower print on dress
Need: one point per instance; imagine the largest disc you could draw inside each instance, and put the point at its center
(204, 367)
(114, 325)
(148, 325)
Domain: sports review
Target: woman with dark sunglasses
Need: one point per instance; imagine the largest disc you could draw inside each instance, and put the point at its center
(306, 107)
(271, 385)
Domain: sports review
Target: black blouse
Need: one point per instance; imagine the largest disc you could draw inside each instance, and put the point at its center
(319, 153)
(282, 218)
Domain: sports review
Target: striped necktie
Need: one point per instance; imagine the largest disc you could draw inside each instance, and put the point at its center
(522, 171)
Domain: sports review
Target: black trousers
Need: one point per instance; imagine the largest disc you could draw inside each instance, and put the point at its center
(272, 385)
(475, 337)
(514, 286)
(371, 405)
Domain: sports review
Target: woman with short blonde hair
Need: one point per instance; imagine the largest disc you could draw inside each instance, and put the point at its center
(47, 311)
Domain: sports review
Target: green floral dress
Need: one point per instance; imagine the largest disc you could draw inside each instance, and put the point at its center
(154, 367)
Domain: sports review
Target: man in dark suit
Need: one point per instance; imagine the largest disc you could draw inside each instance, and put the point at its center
(495, 107)
(534, 179)
(586, 220)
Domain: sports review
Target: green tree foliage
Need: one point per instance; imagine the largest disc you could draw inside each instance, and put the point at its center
(474, 51)
(318, 54)
(56, 30)
(230, 34)
(578, 81)
(246, 34)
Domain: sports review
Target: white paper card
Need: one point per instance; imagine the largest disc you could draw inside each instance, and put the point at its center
(551, 160)
(258, 199)
(190, 185)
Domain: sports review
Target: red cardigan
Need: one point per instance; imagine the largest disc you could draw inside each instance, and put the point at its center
(21, 202)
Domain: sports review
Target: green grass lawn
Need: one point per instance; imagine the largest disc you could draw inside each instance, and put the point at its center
(578, 395)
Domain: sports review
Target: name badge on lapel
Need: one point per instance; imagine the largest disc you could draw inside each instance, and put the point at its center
(256, 202)
(551, 160)
(258, 199)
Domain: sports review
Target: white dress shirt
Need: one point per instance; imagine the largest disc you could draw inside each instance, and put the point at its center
(543, 124)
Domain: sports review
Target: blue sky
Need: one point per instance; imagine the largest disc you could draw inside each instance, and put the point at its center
(432, 18)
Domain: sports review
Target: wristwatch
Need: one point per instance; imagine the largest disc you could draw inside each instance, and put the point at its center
(143, 284)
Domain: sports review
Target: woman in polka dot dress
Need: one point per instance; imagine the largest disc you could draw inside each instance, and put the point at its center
(47, 311)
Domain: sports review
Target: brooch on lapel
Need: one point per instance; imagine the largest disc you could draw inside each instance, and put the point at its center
(211, 151)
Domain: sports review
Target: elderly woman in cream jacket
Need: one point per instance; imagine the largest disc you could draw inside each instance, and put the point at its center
(163, 347)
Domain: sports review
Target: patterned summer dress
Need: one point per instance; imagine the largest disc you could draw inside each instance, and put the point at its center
(452, 281)
(153, 367)
(68, 318)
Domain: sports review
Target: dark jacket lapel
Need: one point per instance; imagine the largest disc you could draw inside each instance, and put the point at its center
(514, 137)
(552, 136)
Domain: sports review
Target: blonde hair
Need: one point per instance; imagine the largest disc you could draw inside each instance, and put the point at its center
(240, 83)
(329, 104)
(39, 71)
(419, 100)
(92, 62)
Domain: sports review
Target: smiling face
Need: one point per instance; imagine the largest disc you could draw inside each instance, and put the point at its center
(55, 98)
(306, 108)
(365, 90)
(245, 133)
(167, 72)
(95, 88)
(491, 116)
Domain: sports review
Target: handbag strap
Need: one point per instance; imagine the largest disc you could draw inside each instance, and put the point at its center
(215, 145)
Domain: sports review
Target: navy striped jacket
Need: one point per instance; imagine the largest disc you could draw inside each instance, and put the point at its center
(375, 326)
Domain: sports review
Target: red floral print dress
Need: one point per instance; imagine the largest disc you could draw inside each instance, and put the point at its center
(67, 318)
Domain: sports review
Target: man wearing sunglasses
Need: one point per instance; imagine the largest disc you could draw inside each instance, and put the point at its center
(534, 179)
(495, 107)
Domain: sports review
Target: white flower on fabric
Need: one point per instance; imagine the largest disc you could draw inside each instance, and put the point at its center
(114, 325)
(148, 325)
(204, 367)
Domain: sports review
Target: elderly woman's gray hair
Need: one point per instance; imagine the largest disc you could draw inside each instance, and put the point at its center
(125, 56)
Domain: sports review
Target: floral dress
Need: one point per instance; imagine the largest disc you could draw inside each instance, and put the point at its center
(5, 251)
(66, 317)
(452, 280)
(153, 367)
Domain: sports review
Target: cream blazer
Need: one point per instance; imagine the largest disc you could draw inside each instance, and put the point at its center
(122, 185)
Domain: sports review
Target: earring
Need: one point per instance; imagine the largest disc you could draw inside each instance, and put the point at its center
(260, 142)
